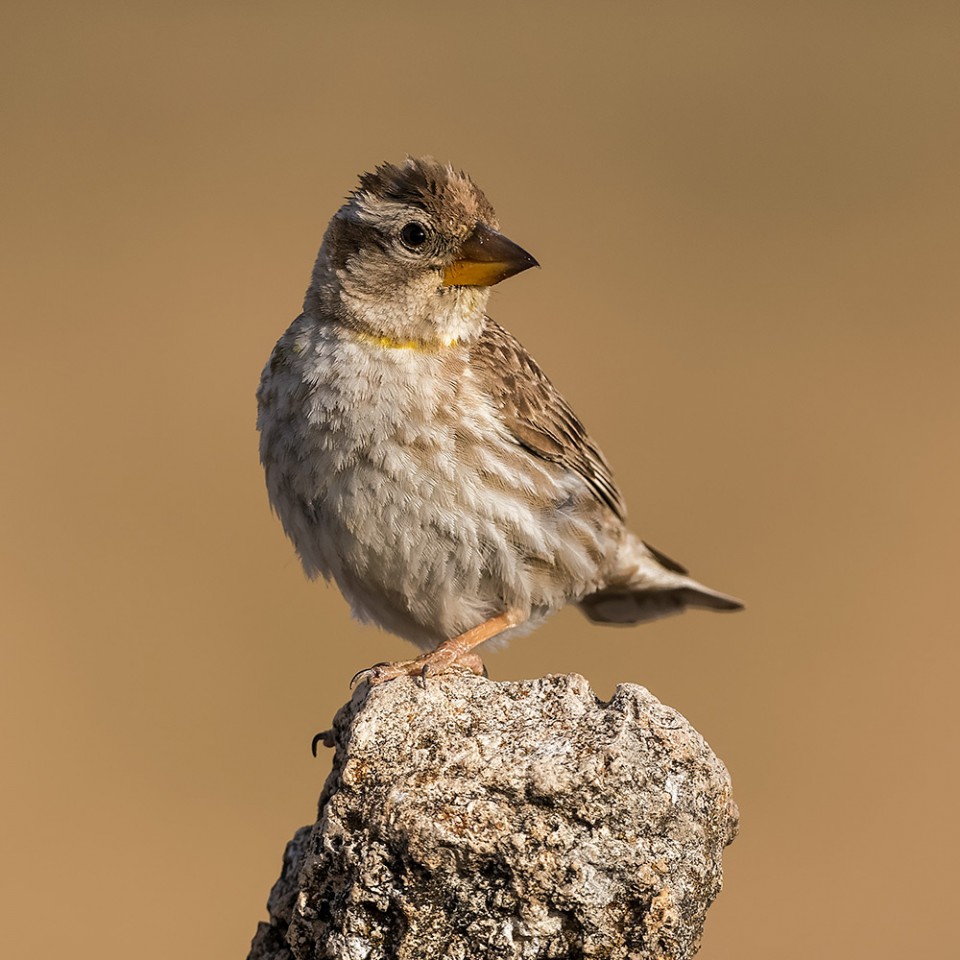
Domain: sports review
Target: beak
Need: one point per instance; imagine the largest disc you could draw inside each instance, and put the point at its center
(486, 258)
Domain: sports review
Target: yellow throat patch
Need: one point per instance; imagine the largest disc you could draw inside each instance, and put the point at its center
(389, 343)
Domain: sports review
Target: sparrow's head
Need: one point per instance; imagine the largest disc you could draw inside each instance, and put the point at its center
(414, 251)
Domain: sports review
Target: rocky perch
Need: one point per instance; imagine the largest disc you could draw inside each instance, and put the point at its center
(476, 819)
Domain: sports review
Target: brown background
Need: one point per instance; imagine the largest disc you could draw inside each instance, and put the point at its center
(747, 216)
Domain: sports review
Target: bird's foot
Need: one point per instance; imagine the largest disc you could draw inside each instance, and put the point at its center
(453, 654)
(432, 664)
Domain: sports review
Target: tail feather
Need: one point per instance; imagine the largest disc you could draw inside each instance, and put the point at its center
(626, 607)
(651, 588)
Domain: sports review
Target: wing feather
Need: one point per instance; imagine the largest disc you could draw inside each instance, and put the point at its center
(537, 416)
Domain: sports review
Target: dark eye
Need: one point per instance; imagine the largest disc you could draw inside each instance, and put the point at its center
(413, 235)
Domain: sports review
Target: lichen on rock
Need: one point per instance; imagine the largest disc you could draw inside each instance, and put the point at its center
(474, 819)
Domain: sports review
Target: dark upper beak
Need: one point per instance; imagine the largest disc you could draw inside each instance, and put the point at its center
(486, 258)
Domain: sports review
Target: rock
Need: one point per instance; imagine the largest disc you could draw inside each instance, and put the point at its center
(474, 819)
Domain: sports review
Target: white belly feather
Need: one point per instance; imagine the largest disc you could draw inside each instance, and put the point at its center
(404, 488)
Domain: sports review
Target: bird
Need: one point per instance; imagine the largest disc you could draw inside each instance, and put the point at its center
(417, 455)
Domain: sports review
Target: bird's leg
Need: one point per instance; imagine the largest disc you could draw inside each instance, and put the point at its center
(449, 655)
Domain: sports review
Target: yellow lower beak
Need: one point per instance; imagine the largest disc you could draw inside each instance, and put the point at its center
(486, 258)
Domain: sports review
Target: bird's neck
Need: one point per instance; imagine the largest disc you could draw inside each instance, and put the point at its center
(406, 319)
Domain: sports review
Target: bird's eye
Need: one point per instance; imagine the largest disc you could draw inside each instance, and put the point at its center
(413, 235)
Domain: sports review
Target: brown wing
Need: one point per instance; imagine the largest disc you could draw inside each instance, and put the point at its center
(537, 416)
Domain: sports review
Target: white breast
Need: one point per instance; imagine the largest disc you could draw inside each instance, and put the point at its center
(400, 483)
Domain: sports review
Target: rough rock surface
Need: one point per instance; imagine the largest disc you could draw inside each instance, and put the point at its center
(475, 819)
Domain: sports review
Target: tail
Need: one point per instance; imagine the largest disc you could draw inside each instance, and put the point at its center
(650, 585)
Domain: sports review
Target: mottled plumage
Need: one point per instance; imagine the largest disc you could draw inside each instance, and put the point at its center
(535, 414)
(418, 456)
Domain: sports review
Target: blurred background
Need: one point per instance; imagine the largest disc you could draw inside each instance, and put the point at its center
(747, 216)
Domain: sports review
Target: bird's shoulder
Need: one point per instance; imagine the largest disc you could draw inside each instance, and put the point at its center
(535, 413)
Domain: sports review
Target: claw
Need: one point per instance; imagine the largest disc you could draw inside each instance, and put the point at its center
(423, 675)
(366, 670)
(325, 737)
